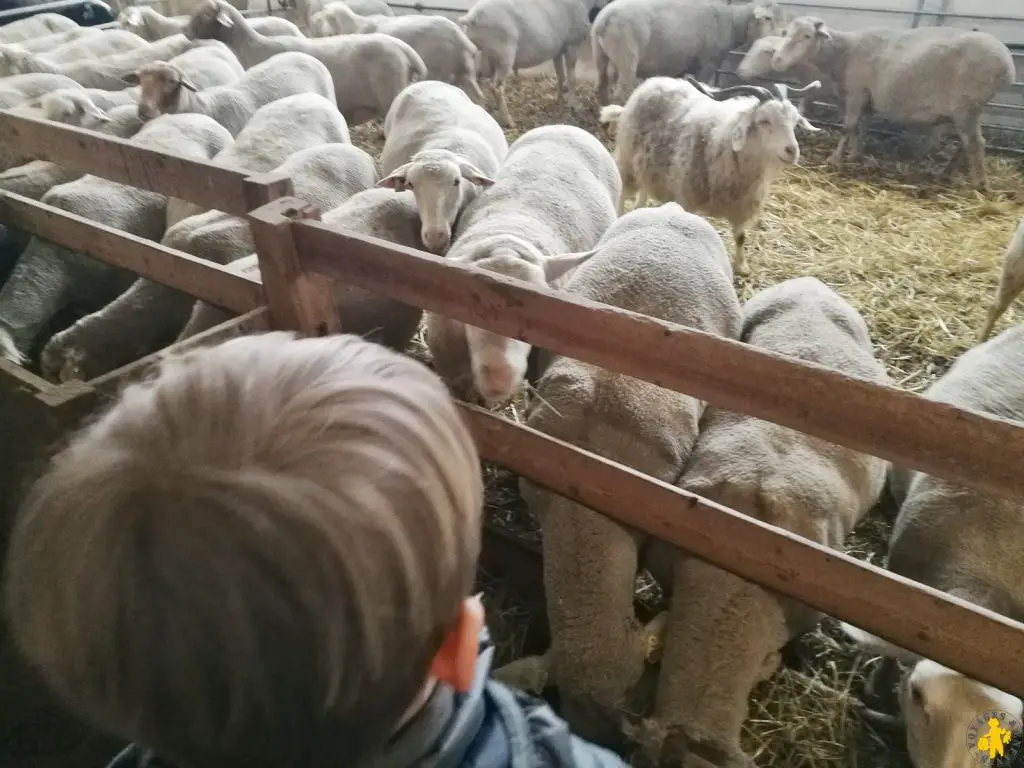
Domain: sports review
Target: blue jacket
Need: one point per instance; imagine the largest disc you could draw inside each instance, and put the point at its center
(490, 727)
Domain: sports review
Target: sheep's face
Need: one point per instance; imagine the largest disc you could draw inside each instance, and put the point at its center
(341, 19)
(15, 61)
(441, 186)
(131, 19)
(767, 19)
(212, 21)
(801, 41)
(160, 85)
(939, 707)
(757, 62)
(72, 108)
(770, 127)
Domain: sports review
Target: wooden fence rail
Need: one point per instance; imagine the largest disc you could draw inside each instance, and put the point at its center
(300, 257)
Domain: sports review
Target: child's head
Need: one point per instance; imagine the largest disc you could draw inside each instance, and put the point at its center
(257, 558)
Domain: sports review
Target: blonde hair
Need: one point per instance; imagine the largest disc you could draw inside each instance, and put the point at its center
(251, 559)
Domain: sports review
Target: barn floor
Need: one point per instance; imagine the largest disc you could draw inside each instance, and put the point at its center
(920, 260)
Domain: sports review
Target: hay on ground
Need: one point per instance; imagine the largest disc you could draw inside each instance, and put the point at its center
(920, 260)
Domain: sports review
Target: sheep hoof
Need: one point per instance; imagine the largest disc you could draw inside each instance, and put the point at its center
(835, 160)
(655, 640)
(529, 674)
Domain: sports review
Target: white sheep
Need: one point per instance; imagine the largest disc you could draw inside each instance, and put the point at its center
(93, 48)
(1011, 280)
(553, 198)
(517, 34)
(40, 25)
(302, 136)
(368, 71)
(725, 634)
(962, 542)
(377, 213)
(713, 152)
(148, 23)
(107, 72)
(665, 263)
(648, 38)
(48, 278)
(49, 42)
(449, 55)
(305, 10)
(444, 148)
(757, 63)
(81, 107)
(927, 74)
(167, 90)
(18, 90)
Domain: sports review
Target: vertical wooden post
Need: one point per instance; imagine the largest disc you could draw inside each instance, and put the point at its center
(298, 300)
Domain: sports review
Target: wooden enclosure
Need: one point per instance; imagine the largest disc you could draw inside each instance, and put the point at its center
(300, 257)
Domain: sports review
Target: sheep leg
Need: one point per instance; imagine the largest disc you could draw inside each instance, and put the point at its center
(471, 86)
(603, 65)
(598, 648)
(626, 77)
(969, 130)
(572, 54)
(739, 261)
(1011, 283)
(855, 103)
(560, 75)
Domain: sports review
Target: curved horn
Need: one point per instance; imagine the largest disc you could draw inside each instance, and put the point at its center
(762, 94)
(801, 91)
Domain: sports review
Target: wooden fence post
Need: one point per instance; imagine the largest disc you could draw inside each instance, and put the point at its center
(298, 301)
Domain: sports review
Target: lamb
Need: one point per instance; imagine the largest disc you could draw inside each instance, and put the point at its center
(669, 264)
(81, 107)
(552, 199)
(49, 278)
(449, 55)
(18, 90)
(648, 38)
(725, 634)
(368, 71)
(714, 154)
(928, 74)
(49, 42)
(517, 34)
(35, 26)
(377, 213)
(962, 542)
(307, 9)
(106, 72)
(443, 147)
(1011, 280)
(167, 90)
(302, 136)
(149, 24)
(93, 48)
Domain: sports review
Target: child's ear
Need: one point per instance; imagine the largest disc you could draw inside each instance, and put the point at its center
(455, 662)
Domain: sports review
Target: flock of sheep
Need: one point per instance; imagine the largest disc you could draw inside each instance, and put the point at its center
(259, 95)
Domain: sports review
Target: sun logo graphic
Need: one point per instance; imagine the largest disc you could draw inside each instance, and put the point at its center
(994, 739)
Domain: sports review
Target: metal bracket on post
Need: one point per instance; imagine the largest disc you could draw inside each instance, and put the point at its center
(298, 300)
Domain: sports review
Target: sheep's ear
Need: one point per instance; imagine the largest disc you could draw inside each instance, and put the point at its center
(473, 174)
(132, 78)
(395, 180)
(132, 15)
(871, 644)
(224, 19)
(762, 13)
(821, 30)
(186, 83)
(557, 266)
(95, 112)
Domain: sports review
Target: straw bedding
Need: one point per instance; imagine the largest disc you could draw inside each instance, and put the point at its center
(920, 260)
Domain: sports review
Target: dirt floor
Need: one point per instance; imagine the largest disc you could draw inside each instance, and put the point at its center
(920, 260)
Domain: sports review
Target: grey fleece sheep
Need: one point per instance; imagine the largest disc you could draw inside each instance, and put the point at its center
(517, 34)
(368, 71)
(377, 213)
(647, 38)
(150, 24)
(325, 170)
(714, 154)
(669, 264)
(167, 90)
(48, 278)
(109, 71)
(1011, 280)
(450, 56)
(962, 542)
(444, 148)
(757, 63)
(929, 74)
(724, 634)
(554, 195)
(35, 26)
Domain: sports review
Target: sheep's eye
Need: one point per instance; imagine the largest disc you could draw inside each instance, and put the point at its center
(408, 184)
(916, 696)
(783, 33)
(455, 183)
(764, 122)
